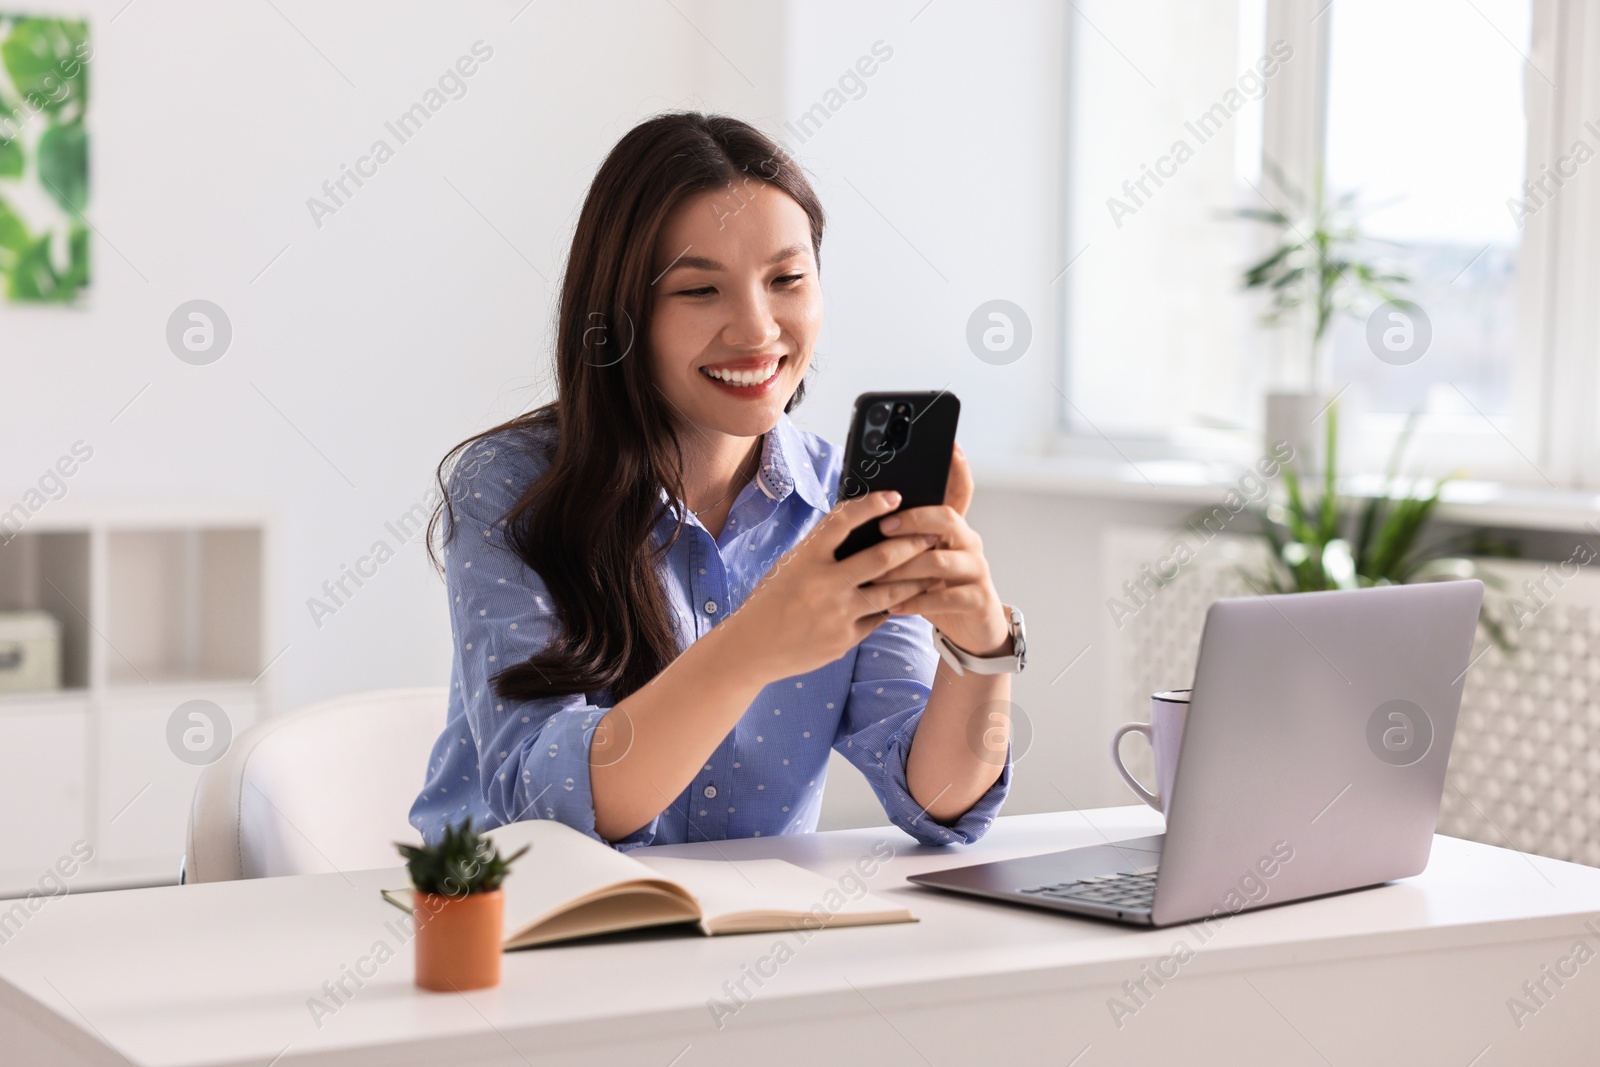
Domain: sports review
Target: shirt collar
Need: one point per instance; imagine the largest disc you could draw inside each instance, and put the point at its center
(786, 466)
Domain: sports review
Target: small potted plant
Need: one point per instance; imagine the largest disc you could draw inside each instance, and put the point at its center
(458, 909)
(1321, 265)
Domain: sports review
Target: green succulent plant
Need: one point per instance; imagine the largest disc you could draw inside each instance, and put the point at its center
(462, 863)
(1330, 542)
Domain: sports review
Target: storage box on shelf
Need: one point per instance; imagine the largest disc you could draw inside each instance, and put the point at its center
(153, 613)
(30, 651)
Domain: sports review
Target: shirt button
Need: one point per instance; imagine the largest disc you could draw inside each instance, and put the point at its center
(710, 792)
(711, 607)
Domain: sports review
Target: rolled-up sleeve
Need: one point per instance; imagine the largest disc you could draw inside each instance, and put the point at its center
(533, 755)
(889, 692)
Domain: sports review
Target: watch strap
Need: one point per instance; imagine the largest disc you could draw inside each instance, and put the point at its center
(962, 661)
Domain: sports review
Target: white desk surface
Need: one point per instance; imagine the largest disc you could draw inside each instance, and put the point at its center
(223, 972)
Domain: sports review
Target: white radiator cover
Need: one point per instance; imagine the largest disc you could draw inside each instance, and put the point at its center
(1525, 766)
(1525, 770)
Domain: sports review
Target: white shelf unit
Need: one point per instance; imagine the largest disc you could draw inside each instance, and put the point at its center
(154, 612)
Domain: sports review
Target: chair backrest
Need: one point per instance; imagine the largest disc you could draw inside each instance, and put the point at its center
(323, 788)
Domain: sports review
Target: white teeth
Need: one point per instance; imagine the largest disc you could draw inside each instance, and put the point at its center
(742, 377)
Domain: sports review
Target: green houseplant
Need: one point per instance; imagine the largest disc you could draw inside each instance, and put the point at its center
(1332, 542)
(1320, 266)
(458, 908)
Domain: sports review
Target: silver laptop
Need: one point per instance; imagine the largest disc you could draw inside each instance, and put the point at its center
(1313, 761)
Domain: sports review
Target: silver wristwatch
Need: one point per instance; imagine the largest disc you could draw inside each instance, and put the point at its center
(962, 661)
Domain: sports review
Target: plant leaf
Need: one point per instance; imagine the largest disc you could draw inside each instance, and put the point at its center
(41, 56)
(64, 165)
(77, 273)
(1274, 216)
(14, 236)
(32, 277)
(12, 158)
(462, 862)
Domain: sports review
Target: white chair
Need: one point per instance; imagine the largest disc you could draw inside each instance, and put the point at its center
(323, 788)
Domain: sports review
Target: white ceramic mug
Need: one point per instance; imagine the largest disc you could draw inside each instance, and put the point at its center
(1164, 731)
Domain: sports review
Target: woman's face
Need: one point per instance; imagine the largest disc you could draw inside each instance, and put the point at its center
(737, 307)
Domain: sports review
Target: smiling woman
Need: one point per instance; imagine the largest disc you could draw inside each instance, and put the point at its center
(732, 331)
(623, 662)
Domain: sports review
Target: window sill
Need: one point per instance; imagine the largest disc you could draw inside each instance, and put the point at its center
(1194, 483)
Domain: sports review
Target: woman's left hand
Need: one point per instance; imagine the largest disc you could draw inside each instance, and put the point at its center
(964, 604)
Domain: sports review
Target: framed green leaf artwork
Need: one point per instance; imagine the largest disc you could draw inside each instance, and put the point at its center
(44, 158)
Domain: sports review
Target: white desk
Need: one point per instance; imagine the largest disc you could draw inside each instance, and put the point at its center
(1418, 972)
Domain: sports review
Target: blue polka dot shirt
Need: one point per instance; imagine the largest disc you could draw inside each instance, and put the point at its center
(502, 760)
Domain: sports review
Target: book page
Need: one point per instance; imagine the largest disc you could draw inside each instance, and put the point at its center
(737, 896)
(565, 868)
(634, 906)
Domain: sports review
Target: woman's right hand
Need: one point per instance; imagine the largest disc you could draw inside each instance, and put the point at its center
(810, 609)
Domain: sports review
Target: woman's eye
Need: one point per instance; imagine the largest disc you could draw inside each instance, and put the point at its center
(787, 280)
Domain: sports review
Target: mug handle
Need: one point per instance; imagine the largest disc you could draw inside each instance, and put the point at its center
(1116, 758)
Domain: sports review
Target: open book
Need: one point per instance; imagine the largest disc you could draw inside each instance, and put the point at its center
(569, 885)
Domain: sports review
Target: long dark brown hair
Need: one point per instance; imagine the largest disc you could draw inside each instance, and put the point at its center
(586, 524)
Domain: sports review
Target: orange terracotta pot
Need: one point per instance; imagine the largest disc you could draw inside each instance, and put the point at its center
(458, 940)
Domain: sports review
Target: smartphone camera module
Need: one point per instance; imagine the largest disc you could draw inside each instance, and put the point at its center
(899, 429)
(878, 414)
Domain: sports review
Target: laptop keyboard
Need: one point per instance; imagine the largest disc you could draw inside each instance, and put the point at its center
(1133, 890)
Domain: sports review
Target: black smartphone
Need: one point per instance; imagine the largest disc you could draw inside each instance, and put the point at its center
(899, 441)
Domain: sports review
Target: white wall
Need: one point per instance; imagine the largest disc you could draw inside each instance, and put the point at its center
(942, 187)
(400, 326)
(407, 321)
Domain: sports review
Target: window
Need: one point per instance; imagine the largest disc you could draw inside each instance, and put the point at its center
(1462, 127)
(1161, 99)
(1426, 121)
